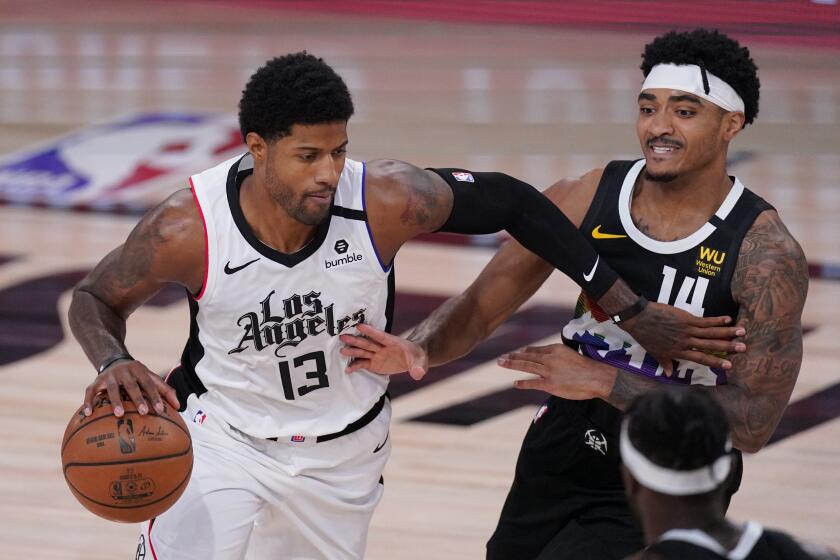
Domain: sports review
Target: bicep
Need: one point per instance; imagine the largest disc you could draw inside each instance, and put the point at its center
(402, 202)
(166, 246)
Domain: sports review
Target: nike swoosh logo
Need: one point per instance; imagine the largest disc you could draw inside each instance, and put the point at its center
(229, 270)
(380, 446)
(588, 277)
(596, 234)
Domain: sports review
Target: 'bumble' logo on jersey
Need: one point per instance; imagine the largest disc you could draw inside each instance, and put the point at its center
(302, 317)
(341, 246)
(352, 257)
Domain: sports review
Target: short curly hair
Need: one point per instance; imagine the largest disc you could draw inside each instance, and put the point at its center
(721, 55)
(297, 88)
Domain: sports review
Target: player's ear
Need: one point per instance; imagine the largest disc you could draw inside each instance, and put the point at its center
(256, 145)
(732, 124)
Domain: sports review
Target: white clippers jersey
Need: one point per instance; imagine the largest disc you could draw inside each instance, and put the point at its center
(263, 352)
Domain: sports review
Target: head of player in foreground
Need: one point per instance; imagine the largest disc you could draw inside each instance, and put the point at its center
(677, 463)
(293, 116)
(701, 89)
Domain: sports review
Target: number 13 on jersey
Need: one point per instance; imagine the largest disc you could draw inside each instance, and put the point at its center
(319, 374)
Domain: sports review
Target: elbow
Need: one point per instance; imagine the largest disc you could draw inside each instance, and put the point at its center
(754, 440)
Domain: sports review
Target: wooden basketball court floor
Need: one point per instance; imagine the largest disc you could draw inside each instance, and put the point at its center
(539, 103)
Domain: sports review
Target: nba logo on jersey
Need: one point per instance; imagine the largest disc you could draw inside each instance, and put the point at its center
(199, 417)
(298, 439)
(463, 176)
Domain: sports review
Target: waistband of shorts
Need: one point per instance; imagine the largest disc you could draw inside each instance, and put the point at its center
(366, 419)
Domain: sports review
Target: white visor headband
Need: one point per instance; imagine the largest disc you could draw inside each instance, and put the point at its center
(689, 78)
(670, 481)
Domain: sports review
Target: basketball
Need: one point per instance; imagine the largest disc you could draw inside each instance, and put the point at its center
(126, 469)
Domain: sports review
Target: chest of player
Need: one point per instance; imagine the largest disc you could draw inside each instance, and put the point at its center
(262, 307)
(693, 273)
(697, 279)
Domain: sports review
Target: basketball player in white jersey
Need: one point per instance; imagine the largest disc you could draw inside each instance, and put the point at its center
(679, 229)
(280, 251)
(676, 452)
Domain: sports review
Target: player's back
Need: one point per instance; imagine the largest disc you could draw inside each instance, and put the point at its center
(756, 543)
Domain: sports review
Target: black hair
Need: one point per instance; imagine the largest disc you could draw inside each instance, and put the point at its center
(717, 53)
(293, 89)
(682, 430)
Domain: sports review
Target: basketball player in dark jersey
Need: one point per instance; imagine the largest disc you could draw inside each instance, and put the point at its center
(681, 230)
(280, 250)
(676, 452)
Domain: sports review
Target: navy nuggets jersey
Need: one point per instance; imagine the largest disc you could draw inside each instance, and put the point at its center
(694, 273)
(263, 353)
(756, 543)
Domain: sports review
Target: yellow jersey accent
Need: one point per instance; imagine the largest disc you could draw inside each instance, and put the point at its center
(596, 234)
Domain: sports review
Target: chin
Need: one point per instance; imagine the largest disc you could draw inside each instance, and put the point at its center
(660, 176)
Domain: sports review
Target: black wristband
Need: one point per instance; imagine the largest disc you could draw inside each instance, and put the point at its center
(631, 311)
(112, 360)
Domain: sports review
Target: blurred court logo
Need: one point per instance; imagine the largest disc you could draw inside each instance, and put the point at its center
(133, 162)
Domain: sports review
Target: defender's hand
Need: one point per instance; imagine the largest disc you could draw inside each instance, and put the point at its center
(139, 383)
(669, 334)
(560, 371)
(383, 353)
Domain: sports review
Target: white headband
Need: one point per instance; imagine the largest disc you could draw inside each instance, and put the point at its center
(670, 481)
(689, 78)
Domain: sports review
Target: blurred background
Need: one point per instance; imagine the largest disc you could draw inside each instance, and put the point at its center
(107, 107)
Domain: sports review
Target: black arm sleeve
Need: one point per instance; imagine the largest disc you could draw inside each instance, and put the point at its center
(491, 202)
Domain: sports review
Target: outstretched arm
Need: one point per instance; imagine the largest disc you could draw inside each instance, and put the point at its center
(509, 280)
(404, 201)
(770, 284)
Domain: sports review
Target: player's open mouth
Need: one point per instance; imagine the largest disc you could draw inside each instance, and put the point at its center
(662, 151)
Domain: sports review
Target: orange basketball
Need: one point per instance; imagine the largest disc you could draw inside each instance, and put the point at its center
(127, 469)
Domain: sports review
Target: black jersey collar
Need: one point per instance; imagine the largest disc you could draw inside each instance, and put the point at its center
(234, 184)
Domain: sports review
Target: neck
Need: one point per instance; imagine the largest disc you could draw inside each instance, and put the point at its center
(708, 184)
(269, 221)
(663, 513)
(673, 210)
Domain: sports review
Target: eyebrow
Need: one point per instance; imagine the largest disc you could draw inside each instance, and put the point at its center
(315, 149)
(674, 98)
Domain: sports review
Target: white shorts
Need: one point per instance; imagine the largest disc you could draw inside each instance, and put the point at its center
(260, 499)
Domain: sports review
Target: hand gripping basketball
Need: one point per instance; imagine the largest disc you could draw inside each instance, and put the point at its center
(140, 384)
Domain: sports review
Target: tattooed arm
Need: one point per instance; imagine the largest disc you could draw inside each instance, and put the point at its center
(770, 284)
(167, 245)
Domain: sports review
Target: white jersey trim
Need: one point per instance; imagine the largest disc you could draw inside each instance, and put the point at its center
(668, 247)
(749, 537)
